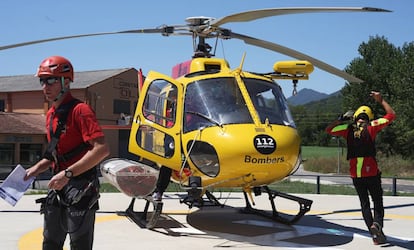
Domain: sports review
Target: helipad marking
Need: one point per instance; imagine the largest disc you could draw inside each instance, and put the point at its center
(33, 239)
(187, 230)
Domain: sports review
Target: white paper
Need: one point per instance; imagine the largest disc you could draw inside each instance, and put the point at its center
(14, 186)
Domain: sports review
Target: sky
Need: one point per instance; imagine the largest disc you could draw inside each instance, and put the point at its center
(333, 38)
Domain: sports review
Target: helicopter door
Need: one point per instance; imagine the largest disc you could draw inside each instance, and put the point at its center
(155, 132)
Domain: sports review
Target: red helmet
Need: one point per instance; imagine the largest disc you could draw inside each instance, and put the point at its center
(55, 66)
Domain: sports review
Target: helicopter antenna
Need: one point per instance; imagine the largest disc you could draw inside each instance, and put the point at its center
(242, 61)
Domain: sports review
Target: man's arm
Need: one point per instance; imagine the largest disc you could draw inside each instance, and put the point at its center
(40, 167)
(93, 157)
(329, 128)
(99, 151)
(341, 120)
(377, 96)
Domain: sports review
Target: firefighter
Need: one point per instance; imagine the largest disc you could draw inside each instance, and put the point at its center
(76, 146)
(361, 152)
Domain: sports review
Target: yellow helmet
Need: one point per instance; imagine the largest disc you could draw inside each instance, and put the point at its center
(364, 110)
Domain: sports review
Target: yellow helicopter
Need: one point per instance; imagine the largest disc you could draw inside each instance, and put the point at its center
(214, 126)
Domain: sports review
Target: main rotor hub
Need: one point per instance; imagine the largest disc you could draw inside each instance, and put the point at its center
(200, 20)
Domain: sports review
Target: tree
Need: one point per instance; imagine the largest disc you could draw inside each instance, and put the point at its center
(403, 87)
(389, 70)
(384, 68)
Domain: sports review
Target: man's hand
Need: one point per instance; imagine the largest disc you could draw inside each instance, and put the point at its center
(58, 181)
(347, 116)
(377, 96)
(38, 168)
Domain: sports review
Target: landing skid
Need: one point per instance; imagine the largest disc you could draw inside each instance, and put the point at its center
(304, 204)
(194, 201)
(145, 219)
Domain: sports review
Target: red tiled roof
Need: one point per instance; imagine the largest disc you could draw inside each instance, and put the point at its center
(18, 123)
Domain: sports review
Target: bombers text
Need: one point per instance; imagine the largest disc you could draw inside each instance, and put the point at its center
(264, 160)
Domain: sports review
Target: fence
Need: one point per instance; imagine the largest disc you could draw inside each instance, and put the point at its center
(393, 184)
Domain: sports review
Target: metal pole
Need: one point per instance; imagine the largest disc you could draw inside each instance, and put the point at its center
(318, 184)
(339, 164)
(394, 186)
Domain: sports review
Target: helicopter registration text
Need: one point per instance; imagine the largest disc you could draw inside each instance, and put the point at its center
(266, 160)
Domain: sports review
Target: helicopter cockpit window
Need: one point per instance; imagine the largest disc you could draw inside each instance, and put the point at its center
(160, 107)
(269, 102)
(160, 103)
(214, 102)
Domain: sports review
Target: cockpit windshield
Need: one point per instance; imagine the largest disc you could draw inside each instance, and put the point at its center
(216, 102)
(269, 102)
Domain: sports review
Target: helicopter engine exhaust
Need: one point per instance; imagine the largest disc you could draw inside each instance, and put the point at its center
(131, 178)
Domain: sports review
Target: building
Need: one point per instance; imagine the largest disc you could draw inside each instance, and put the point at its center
(113, 94)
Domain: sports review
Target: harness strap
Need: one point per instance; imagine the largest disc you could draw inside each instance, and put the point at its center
(62, 112)
(69, 155)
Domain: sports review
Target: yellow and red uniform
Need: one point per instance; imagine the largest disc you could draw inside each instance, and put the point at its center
(362, 164)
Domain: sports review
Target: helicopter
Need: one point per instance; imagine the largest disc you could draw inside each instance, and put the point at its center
(214, 126)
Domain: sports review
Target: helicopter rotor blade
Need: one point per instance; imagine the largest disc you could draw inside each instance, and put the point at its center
(257, 14)
(210, 28)
(164, 30)
(298, 55)
(186, 30)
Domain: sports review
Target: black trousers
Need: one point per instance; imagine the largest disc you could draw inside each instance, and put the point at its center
(59, 221)
(366, 186)
(71, 211)
(163, 179)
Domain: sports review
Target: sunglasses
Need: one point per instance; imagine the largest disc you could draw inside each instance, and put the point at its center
(48, 81)
(363, 117)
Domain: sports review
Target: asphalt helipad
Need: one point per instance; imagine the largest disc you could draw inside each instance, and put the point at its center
(334, 222)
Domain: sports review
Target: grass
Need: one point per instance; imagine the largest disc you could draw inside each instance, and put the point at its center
(316, 152)
(325, 160)
(287, 186)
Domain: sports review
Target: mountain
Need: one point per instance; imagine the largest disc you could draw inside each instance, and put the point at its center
(332, 104)
(325, 109)
(305, 96)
